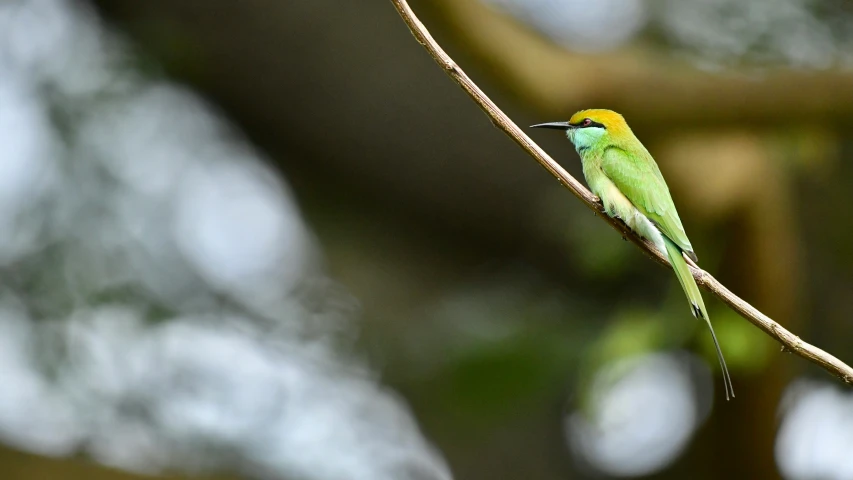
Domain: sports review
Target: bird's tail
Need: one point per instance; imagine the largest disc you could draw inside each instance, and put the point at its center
(697, 306)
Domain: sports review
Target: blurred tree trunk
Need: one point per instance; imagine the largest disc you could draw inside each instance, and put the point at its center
(733, 179)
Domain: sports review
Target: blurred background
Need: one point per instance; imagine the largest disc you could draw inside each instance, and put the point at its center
(272, 240)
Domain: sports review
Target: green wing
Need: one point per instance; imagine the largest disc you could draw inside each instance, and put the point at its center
(638, 178)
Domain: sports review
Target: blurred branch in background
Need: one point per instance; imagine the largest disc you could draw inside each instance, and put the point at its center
(642, 81)
(790, 341)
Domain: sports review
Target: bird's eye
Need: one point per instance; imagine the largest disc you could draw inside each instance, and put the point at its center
(586, 122)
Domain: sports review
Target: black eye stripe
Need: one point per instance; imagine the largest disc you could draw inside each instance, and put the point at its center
(592, 123)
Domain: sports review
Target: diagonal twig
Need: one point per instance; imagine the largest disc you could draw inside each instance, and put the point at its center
(789, 341)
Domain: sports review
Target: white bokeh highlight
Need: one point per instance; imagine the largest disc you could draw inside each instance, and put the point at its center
(163, 306)
(642, 412)
(815, 439)
(581, 25)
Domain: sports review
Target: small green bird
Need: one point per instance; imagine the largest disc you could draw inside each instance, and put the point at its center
(620, 170)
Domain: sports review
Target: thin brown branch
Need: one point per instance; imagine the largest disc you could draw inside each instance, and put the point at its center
(789, 341)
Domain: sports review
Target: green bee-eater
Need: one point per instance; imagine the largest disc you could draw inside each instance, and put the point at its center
(620, 170)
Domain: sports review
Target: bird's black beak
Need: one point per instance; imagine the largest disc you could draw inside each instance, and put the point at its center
(554, 125)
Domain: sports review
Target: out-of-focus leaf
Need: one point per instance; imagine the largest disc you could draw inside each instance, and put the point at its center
(746, 348)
